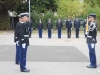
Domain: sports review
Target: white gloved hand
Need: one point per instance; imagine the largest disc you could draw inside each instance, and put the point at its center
(92, 45)
(23, 45)
(83, 28)
(86, 33)
(31, 28)
(71, 28)
(17, 43)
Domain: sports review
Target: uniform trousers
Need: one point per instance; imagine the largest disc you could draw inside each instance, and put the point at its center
(92, 54)
(49, 33)
(17, 54)
(40, 33)
(69, 33)
(23, 53)
(77, 33)
(30, 32)
(59, 33)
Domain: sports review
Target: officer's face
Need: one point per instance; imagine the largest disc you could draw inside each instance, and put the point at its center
(20, 19)
(25, 18)
(49, 20)
(40, 21)
(90, 19)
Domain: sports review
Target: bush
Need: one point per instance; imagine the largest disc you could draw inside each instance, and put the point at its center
(4, 22)
(98, 25)
(44, 17)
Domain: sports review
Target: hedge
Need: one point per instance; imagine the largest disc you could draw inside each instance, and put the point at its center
(4, 22)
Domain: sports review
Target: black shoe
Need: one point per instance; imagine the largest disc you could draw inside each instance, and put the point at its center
(29, 36)
(26, 70)
(91, 66)
(17, 63)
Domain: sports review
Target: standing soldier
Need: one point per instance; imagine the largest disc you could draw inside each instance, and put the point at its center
(49, 28)
(23, 41)
(84, 27)
(91, 40)
(77, 27)
(16, 39)
(40, 27)
(69, 27)
(30, 27)
(59, 26)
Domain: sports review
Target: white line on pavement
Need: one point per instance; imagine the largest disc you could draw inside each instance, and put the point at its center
(5, 48)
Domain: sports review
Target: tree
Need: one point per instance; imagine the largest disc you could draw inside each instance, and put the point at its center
(69, 8)
(43, 5)
(9, 5)
(6, 5)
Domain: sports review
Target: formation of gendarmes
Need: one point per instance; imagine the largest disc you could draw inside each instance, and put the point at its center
(24, 29)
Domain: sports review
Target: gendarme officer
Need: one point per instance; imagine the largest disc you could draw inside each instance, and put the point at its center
(77, 27)
(16, 39)
(40, 28)
(30, 27)
(23, 41)
(69, 27)
(49, 28)
(91, 40)
(59, 26)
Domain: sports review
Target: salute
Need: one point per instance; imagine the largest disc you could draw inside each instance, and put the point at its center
(91, 40)
(40, 28)
(59, 26)
(69, 27)
(77, 27)
(23, 41)
(49, 28)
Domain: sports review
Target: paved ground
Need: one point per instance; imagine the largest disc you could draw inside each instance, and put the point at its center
(49, 56)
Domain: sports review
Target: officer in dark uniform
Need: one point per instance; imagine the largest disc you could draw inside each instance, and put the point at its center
(49, 28)
(23, 41)
(84, 27)
(40, 28)
(91, 40)
(69, 27)
(77, 27)
(30, 28)
(59, 26)
(16, 39)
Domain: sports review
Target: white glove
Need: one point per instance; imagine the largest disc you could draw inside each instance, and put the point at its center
(83, 28)
(31, 28)
(71, 28)
(23, 45)
(86, 33)
(92, 45)
(17, 43)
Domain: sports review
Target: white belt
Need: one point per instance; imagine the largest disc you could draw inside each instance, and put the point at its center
(89, 36)
(26, 35)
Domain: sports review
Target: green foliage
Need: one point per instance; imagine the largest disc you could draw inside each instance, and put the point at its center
(43, 5)
(47, 15)
(6, 5)
(98, 25)
(9, 5)
(4, 22)
(70, 8)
